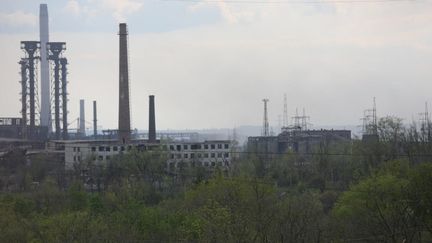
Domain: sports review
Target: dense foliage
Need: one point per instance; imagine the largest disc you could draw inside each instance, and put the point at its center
(359, 192)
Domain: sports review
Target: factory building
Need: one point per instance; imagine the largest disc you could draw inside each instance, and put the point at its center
(296, 140)
(14, 127)
(208, 154)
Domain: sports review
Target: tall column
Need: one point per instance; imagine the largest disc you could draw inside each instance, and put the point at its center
(152, 120)
(23, 64)
(45, 115)
(82, 119)
(94, 120)
(57, 97)
(124, 112)
(63, 62)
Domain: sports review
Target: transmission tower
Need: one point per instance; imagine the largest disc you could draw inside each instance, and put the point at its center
(374, 117)
(285, 112)
(265, 131)
(304, 120)
(370, 124)
(425, 123)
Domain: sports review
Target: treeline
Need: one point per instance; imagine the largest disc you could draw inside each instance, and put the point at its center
(376, 191)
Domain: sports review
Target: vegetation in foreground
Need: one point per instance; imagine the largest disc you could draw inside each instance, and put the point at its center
(379, 192)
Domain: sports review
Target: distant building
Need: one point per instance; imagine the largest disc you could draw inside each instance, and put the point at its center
(207, 154)
(296, 140)
(13, 127)
(179, 153)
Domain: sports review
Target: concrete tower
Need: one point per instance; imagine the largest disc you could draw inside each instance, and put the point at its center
(152, 120)
(124, 112)
(45, 111)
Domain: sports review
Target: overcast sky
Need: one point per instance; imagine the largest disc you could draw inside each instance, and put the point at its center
(210, 64)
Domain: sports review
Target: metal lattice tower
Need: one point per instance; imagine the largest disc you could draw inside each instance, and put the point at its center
(425, 123)
(301, 122)
(265, 131)
(64, 99)
(370, 121)
(28, 84)
(304, 120)
(285, 112)
(24, 65)
(55, 51)
(374, 117)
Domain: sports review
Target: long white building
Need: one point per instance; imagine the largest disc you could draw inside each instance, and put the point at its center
(216, 153)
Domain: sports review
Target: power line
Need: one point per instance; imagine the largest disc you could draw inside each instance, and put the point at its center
(288, 1)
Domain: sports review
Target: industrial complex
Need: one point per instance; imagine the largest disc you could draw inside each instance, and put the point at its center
(44, 127)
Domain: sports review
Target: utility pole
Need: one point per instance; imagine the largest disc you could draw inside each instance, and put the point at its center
(265, 131)
(374, 118)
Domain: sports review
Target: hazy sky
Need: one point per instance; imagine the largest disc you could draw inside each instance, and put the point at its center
(210, 64)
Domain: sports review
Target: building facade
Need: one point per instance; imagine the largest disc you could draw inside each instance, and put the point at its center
(179, 153)
(296, 140)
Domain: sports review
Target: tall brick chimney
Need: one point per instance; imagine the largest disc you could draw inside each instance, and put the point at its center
(124, 130)
(152, 120)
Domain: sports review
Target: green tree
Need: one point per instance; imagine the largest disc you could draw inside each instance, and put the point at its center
(377, 208)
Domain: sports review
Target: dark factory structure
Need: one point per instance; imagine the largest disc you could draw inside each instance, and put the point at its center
(55, 50)
(29, 125)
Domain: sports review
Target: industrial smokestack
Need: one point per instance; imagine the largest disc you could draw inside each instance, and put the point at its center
(152, 122)
(94, 119)
(82, 119)
(124, 112)
(45, 115)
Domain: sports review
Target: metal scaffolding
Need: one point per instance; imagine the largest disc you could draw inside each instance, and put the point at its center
(59, 81)
(28, 86)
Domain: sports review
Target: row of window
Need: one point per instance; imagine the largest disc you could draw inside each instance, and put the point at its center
(199, 146)
(172, 147)
(199, 155)
(108, 148)
(173, 156)
(172, 165)
(100, 157)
